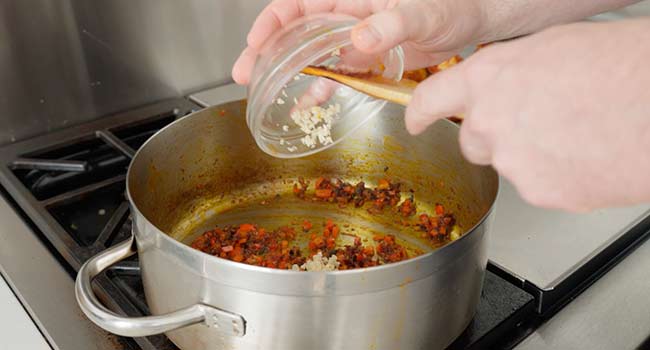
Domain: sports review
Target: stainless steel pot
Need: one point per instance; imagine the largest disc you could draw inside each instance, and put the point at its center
(187, 177)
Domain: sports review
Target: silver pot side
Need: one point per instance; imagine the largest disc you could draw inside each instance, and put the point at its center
(427, 313)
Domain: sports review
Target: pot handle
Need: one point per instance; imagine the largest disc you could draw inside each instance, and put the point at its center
(224, 321)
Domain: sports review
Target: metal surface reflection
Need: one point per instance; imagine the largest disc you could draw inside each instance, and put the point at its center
(64, 62)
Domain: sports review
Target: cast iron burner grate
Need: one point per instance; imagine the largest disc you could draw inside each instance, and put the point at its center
(71, 184)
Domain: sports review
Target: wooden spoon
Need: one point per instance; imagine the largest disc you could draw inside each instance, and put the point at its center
(400, 92)
(376, 86)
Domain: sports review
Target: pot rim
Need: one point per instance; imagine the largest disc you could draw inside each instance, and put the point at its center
(279, 272)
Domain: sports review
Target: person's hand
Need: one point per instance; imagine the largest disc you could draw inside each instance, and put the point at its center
(563, 114)
(428, 30)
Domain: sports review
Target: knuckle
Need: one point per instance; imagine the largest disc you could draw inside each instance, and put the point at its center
(400, 20)
(435, 19)
(478, 125)
(475, 148)
(488, 63)
(482, 69)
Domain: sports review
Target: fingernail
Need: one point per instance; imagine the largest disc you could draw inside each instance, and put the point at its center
(368, 35)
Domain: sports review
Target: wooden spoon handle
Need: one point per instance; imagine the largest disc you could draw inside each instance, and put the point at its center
(398, 92)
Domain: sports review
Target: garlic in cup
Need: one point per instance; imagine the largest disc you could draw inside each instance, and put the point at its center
(291, 114)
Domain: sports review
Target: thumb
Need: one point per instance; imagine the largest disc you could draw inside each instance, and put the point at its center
(412, 21)
(442, 95)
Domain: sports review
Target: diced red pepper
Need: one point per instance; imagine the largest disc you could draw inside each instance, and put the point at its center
(324, 193)
(246, 227)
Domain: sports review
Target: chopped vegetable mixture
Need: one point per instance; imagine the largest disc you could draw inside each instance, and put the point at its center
(344, 193)
(278, 248)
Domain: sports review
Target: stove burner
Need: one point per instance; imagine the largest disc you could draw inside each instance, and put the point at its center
(102, 208)
(71, 183)
(98, 156)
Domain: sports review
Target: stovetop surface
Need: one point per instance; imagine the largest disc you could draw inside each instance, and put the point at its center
(524, 235)
(70, 184)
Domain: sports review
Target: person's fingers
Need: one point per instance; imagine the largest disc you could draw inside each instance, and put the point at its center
(475, 148)
(241, 71)
(318, 92)
(412, 21)
(281, 12)
(442, 95)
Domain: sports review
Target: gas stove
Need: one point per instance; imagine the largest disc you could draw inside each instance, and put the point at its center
(68, 187)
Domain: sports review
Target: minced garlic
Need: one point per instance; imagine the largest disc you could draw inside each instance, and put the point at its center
(316, 123)
(318, 263)
(455, 233)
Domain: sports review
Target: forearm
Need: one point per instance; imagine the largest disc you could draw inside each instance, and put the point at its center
(511, 18)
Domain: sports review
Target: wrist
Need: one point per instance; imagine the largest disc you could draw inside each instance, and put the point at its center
(465, 23)
(505, 19)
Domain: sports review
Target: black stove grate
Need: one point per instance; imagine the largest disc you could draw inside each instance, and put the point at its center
(82, 217)
(71, 184)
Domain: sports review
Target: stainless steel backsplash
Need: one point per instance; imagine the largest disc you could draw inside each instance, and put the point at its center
(66, 61)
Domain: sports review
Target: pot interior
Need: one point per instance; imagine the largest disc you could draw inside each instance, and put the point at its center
(205, 170)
